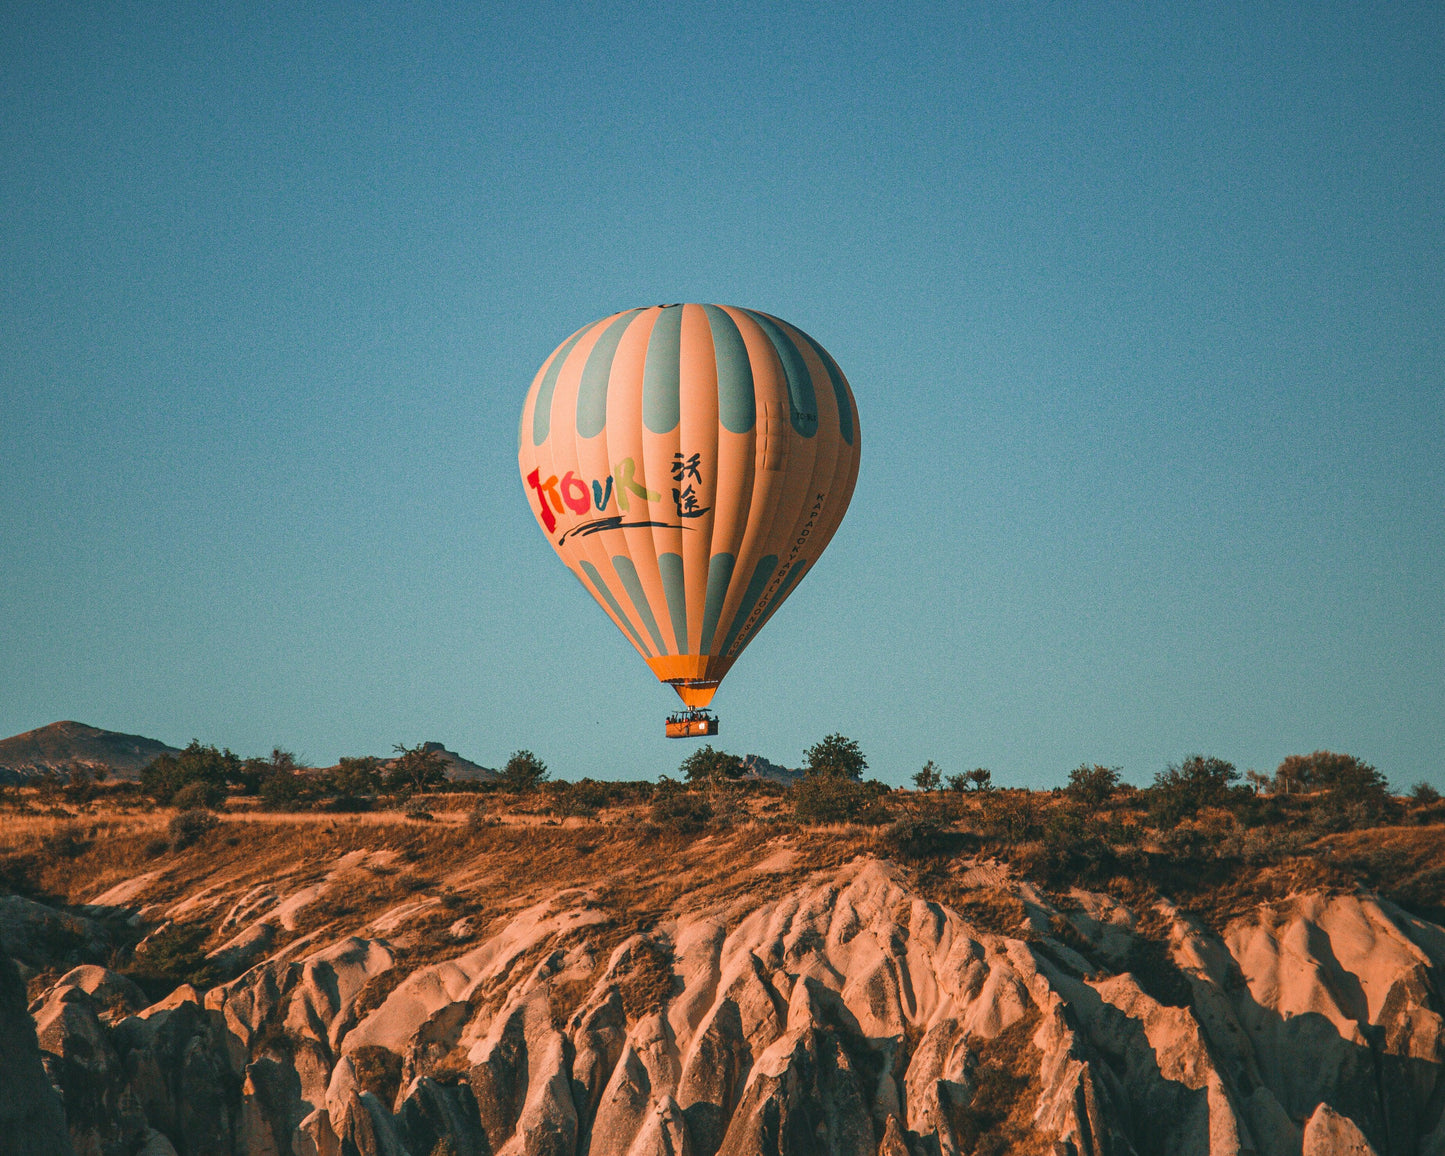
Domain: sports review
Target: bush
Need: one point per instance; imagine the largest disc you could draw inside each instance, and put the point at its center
(378, 1071)
(706, 765)
(166, 774)
(65, 842)
(915, 837)
(81, 787)
(979, 779)
(1179, 792)
(675, 809)
(582, 799)
(1010, 816)
(929, 778)
(189, 826)
(1355, 793)
(172, 955)
(837, 756)
(280, 789)
(524, 773)
(355, 777)
(1073, 848)
(198, 795)
(829, 798)
(417, 768)
(1424, 794)
(1328, 771)
(1092, 786)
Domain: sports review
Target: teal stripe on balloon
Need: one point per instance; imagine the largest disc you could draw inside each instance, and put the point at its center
(542, 409)
(800, 381)
(607, 597)
(761, 573)
(719, 577)
(662, 373)
(676, 590)
(736, 402)
(633, 585)
(840, 388)
(778, 595)
(592, 393)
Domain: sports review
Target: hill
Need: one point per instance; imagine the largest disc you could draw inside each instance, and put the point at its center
(61, 744)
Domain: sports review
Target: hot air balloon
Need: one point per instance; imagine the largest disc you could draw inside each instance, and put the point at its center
(689, 463)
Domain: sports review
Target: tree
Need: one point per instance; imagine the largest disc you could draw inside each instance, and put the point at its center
(166, 774)
(1092, 786)
(1179, 792)
(280, 783)
(706, 765)
(361, 776)
(979, 779)
(929, 778)
(415, 769)
(524, 772)
(1347, 778)
(1424, 794)
(836, 755)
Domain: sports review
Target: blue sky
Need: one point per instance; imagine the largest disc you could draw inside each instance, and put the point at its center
(1141, 306)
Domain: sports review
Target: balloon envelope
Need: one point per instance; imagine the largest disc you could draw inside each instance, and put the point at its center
(689, 463)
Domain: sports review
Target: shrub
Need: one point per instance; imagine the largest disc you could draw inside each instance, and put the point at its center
(1355, 793)
(378, 1071)
(837, 756)
(416, 768)
(1092, 786)
(173, 955)
(827, 798)
(524, 773)
(354, 777)
(1072, 849)
(65, 842)
(929, 778)
(915, 837)
(582, 799)
(645, 979)
(415, 810)
(189, 826)
(1179, 792)
(675, 809)
(1010, 816)
(1424, 794)
(280, 789)
(1328, 771)
(706, 765)
(166, 774)
(979, 779)
(198, 795)
(81, 787)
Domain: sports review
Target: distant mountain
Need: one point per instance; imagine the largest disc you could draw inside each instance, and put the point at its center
(460, 769)
(757, 767)
(457, 768)
(58, 746)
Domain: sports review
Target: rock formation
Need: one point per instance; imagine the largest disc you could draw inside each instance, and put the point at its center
(843, 1012)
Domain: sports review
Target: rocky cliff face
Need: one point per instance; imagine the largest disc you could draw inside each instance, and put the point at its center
(848, 1010)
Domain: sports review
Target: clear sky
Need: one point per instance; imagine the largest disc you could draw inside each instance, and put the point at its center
(1142, 306)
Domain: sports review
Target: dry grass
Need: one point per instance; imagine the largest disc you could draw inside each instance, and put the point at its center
(635, 873)
(999, 1117)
